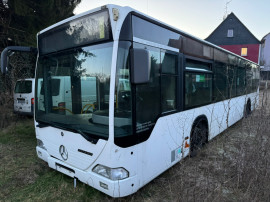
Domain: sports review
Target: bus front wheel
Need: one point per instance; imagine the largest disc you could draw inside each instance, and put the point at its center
(199, 137)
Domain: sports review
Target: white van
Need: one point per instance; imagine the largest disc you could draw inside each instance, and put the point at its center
(61, 93)
(24, 97)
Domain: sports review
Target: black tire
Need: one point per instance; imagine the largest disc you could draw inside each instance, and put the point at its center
(199, 137)
(248, 109)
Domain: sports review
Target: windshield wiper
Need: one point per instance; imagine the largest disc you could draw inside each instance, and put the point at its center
(63, 126)
(87, 137)
(44, 124)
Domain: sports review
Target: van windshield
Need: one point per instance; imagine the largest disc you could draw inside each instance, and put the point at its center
(23, 87)
(72, 90)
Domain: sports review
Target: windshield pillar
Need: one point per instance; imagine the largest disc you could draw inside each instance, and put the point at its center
(112, 90)
(123, 135)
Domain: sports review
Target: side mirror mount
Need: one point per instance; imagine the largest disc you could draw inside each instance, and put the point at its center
(140, 66)
(8, 51)
(4, 61)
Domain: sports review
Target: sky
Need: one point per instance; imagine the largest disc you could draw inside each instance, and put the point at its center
(197, 17)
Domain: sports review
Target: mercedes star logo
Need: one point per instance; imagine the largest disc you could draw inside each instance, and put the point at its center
(63, 152)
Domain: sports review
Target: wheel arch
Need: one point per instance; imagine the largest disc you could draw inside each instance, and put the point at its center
(200, 118)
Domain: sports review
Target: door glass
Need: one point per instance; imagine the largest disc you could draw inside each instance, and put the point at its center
(148, 95)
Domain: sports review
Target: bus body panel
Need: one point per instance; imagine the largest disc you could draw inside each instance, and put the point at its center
(81, 168)
(80, 155)
(143, 161)
(23, 95)
(168, 144)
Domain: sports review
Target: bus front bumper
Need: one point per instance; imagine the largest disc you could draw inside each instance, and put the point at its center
(118, 188)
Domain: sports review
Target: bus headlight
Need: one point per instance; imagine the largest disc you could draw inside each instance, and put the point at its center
(111, 173)
(40, 144)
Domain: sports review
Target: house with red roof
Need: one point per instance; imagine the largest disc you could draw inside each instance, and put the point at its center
(234, 36)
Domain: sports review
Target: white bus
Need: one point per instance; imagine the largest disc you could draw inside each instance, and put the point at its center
(161, 94)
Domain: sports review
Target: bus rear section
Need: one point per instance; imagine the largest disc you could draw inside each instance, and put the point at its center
(24, 97)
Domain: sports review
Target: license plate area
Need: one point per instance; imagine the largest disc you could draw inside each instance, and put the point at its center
(63, 169)
(21, 100)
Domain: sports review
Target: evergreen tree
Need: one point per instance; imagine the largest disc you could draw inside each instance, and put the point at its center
(21, 20)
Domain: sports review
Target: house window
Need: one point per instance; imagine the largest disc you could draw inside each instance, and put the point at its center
(230, 33)
(244, 51)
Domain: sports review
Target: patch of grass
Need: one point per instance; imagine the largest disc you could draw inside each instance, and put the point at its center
(52, 185)
(6, 138)
(18, 132)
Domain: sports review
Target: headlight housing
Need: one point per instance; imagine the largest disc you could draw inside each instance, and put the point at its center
(111, 173)
(40, 144)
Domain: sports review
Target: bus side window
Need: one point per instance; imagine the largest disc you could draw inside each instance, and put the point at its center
(198, 89)
(198, 84)
(220, 82)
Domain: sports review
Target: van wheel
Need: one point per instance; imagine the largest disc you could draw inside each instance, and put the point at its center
(198, 138)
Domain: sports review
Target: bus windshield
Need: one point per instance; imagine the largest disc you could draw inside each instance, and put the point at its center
(72, 90)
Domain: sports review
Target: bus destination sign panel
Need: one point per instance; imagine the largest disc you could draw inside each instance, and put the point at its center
(82, 31)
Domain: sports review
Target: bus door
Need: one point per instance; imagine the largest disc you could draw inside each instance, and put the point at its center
(158, 98)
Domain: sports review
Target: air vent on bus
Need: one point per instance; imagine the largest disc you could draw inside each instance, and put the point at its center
(85, 152)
